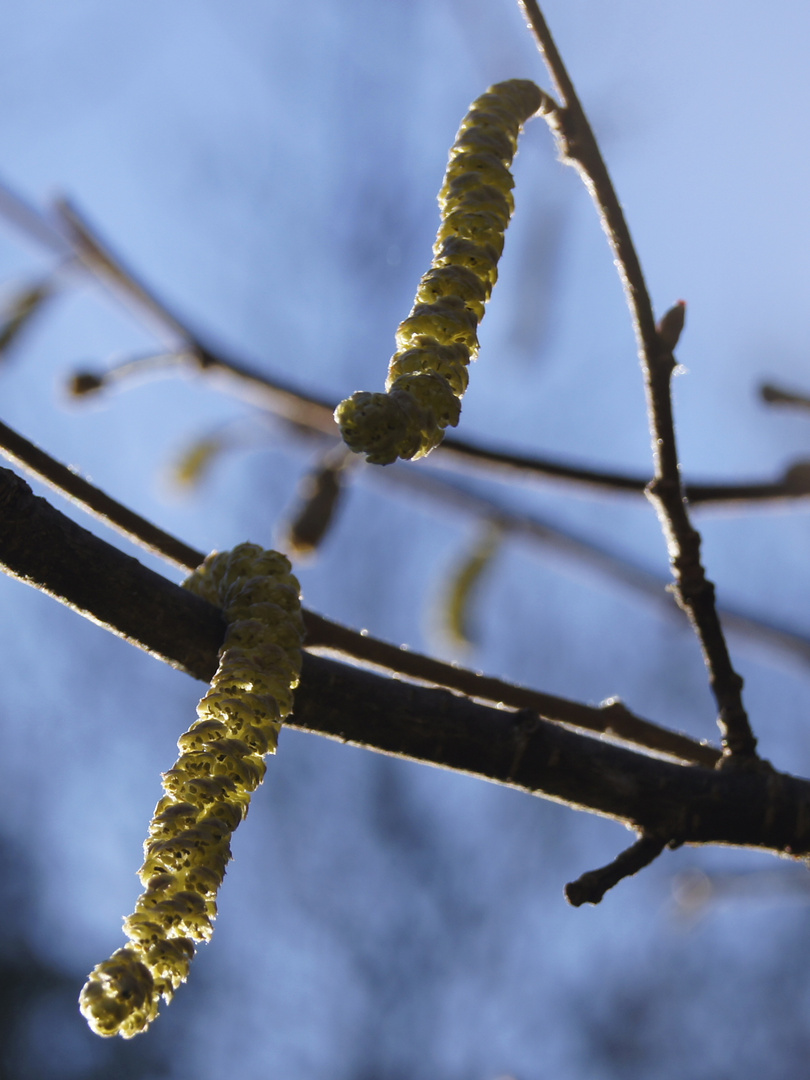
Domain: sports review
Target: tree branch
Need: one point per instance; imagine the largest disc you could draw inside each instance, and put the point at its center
(70, 564)
(82, 493)
(695, 593)
(88, 250)
(590, 888)
(46, 549)
(350, 643)
(759, 808)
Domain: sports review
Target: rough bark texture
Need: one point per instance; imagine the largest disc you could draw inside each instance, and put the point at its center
(682, 803)
(755, 807)
(45, 549)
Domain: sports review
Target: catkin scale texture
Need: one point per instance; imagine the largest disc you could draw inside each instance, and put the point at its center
(427, 375)
(207, 791)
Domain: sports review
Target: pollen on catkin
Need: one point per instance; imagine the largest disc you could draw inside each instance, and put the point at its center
(207, 791)
(427, 375)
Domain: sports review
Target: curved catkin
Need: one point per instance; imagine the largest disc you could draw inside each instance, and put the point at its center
(427, 375)
(207, 791)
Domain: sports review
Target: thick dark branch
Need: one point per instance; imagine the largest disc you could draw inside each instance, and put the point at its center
(759, 808)
(691, 804)
(350, 643)
(49, 562)
(46, 549)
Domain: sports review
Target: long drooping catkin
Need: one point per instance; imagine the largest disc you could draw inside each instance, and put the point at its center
(427, 375)
(208, 790)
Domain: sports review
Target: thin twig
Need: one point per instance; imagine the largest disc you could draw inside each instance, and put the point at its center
(463, 452)
(84, 494)
(97, 255)
(694, 592)
(591, 887)
(32, 223)
(777, 395)
(293, 403)
(611, 719)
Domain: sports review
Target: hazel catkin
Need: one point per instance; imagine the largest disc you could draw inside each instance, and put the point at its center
(427, 375)
(207, 791)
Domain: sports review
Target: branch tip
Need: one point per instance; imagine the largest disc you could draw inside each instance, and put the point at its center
(84, 382)
(592, 886)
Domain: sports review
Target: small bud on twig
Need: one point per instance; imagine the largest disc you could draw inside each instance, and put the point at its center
(670, 325)
(84, 382)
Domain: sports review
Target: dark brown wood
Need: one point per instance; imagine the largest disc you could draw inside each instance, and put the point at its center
(689, 804)
(752, 807)
(48, 550)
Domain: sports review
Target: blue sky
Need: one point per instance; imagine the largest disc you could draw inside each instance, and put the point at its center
(272, 170)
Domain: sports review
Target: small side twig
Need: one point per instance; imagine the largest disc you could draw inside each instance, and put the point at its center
(592, 886)
(777, 395)
(694, 592)
(99, 258)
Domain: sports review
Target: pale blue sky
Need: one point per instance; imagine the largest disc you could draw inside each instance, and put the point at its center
(272, 170)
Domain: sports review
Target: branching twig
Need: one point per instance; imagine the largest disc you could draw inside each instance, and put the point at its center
(613, 718)
(591, 887)
(291, 402)
(99, 258)
(762, 808)
(695, 593)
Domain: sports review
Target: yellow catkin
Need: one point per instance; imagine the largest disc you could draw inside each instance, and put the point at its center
(427, 375)
(207, 791)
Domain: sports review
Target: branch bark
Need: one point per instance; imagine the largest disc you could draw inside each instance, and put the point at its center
(53, 530)
(577, 146)
(88, 250)
(44, 548)
(661, 799)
